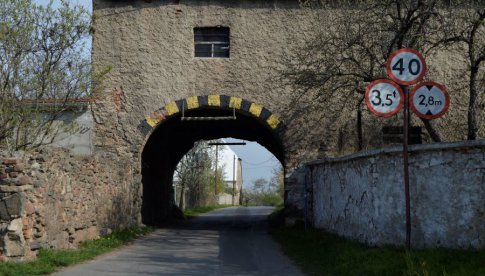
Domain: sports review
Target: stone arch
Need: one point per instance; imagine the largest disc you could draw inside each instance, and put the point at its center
(170, 138)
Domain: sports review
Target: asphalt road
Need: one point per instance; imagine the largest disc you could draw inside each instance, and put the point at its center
(230, 241)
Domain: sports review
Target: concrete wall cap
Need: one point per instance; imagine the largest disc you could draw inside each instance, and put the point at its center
(448, 146)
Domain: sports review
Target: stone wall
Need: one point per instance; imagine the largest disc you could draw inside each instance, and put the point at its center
(361, 196)
(51, 199)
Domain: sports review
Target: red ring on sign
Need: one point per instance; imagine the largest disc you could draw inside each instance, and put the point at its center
(424, 116)
(371, 108)
(408, 50)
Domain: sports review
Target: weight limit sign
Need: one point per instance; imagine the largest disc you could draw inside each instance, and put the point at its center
(384, 98)
(429, 100)
(406, 66)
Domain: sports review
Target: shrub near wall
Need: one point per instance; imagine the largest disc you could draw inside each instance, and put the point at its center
(52, 199)
(362, 196)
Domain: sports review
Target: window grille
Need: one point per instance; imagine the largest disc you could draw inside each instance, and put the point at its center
(211, 42)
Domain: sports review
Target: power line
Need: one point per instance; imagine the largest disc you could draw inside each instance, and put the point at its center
(260, 167)
(257, 164)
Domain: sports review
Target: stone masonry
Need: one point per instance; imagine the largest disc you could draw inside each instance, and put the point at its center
(51, 199)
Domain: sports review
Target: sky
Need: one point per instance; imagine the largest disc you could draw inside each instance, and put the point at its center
(257, 162)
(88, 4)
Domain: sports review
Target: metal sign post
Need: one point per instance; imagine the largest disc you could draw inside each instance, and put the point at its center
(405, 153)
(386, 98)
(406, 67)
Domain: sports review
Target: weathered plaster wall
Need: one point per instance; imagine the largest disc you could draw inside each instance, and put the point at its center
(52, 199)
(362, 196)
(150, 47)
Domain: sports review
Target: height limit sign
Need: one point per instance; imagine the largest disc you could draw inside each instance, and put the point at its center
(429, 100)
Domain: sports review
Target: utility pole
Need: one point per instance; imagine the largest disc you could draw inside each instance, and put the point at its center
(215, 171)
(233, 180)
(241, 189)
(217, 156)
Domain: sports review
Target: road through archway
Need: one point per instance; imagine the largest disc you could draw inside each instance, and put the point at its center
(173, 137)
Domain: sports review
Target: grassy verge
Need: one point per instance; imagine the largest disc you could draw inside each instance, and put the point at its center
(50, 260)
(319, 253)
(193, 212)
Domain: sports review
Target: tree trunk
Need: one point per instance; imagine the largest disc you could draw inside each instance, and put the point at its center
(182, 197)
(472, 118)
(435, 136)
(359, 127)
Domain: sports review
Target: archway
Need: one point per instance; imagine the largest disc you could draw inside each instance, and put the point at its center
(181, 123)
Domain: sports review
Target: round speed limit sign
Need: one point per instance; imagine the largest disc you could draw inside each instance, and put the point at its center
(429, 100)
(384, 98)
(406, 66)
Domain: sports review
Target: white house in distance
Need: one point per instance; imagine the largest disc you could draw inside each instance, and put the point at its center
(232, 167)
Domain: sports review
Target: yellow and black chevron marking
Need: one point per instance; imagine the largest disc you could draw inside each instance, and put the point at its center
(220, 101)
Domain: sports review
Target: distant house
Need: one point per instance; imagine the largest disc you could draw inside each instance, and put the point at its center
(231, 164)
(77, 116)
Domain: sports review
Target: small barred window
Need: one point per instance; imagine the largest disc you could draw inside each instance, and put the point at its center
(211, 42)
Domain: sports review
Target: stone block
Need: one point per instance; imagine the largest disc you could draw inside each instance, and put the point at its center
(27, 233)
(24, 180)
(15, 226)
(13, 174)
(13, 241)
(3, 176)
(25, 222)
(19, 167)
(15, 189)
(12, 206)
(29, 208)
(35, 246)
(105, 231)
(92, 233)
(38, 183)
(3, 211)
(10, 161)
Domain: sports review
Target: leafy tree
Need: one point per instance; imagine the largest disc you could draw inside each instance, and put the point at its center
(277, 182)
(42, 59)
(260, 184)
(266, 193)
(197, 176)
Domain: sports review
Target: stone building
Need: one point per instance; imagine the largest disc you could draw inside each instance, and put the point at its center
(172, 60)
(194, 59)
